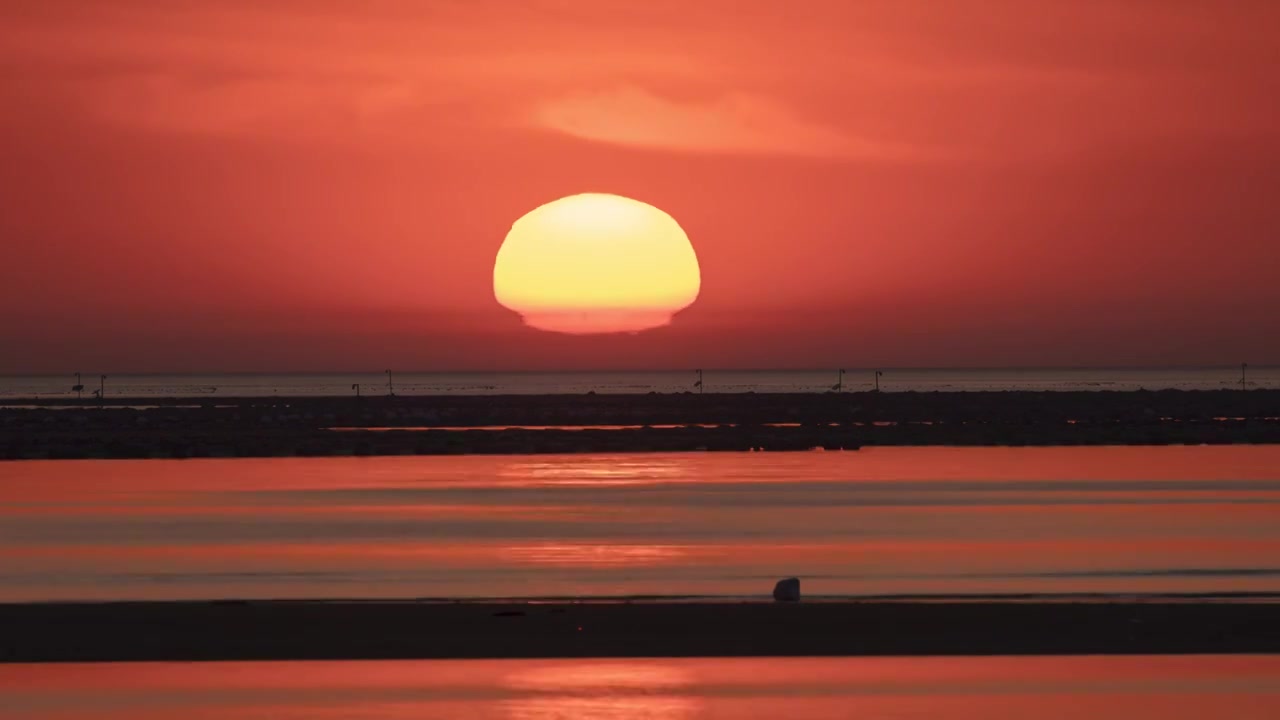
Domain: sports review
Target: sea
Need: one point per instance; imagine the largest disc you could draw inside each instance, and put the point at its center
(874, 522)
(1086, 523)
(1189, 687)
(712, 380)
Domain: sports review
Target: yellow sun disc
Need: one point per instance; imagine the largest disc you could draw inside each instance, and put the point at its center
(596, 263)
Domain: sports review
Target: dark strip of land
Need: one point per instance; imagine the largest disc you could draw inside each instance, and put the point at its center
(309, 630)
(262, 427)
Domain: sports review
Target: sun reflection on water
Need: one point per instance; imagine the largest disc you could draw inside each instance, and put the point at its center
(601, 690)
(593, 555)
(595, 471)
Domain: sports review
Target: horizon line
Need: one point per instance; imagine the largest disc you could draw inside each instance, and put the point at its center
(811, 369)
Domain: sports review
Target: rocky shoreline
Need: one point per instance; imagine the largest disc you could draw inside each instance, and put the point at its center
(474, 424)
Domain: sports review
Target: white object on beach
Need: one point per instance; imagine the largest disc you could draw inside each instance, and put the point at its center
(787, 590)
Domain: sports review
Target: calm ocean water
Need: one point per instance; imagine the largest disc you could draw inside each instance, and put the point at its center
(410, 383)
(876, 521)
(990, 688)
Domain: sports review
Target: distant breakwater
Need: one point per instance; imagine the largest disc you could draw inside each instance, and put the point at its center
(509, 424)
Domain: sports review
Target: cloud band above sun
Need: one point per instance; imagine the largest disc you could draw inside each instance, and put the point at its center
(730, 123)
(596, 263)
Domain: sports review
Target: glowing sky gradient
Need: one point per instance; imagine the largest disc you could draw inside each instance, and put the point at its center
(262, 186)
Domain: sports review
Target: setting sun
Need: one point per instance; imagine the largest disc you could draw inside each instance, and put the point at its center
(596, 263)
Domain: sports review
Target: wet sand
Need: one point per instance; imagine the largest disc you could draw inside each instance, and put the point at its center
(525, 424)
(309, 630)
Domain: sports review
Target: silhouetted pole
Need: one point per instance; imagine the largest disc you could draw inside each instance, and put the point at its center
(102, 387)
(1243, 367)
(390, 388)
(839, 386)
(878, 374)
(356, 387)
(699, 383)
(78, 388)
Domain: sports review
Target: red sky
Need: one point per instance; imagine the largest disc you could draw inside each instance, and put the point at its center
(324, 185)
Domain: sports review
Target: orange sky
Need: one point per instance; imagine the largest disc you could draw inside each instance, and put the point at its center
(307, 185)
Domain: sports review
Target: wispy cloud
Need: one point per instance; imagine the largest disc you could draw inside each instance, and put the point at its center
(728, 123)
